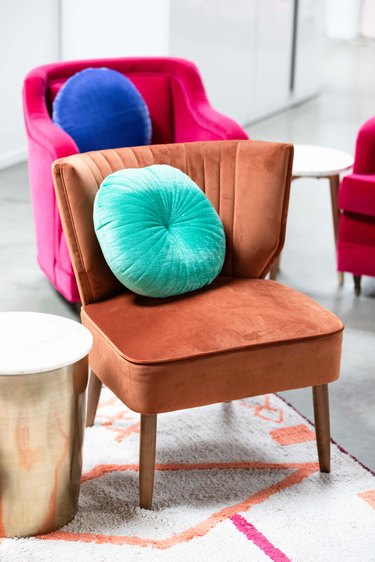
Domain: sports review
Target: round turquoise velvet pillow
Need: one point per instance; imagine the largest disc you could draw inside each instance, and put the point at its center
(159, 233)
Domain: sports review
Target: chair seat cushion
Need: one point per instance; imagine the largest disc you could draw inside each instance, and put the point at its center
(237, 338)
(159, 233)
(357, 194)
(101, 108)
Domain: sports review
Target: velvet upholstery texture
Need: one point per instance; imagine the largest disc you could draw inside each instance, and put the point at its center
(356, 239)
(179, 111)
(101, 108)
(159, 233)
(241, 336)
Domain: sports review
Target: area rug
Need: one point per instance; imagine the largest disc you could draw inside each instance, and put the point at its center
(234, 482)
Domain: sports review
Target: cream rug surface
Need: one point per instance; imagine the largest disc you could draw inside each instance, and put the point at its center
(234, 482)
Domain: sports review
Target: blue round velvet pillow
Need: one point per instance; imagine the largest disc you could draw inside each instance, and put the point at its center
(101, 108)
(159, 233)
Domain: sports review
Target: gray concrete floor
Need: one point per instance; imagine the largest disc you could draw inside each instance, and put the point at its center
(308, 262)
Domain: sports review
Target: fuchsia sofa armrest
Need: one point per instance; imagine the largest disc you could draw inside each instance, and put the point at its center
(364, 162)
(194, 117)
(357, 194)
(47, 143)
(39, 125)
(204, 123)
(56, 142)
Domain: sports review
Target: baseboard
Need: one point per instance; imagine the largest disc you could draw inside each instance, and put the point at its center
(13, 157)
(289, 104)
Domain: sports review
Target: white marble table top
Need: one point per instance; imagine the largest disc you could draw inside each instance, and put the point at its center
(319, 161)
(32, 342)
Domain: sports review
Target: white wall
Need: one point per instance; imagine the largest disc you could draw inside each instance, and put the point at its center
(114, 28)
(29, 37)
(367, 19)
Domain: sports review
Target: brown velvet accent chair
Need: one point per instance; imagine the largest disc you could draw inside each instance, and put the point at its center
(241, 336)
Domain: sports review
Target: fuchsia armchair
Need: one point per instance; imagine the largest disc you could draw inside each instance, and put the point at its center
(356, 240)
(179, 110)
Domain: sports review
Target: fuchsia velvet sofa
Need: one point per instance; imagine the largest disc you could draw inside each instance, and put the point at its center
(180, 112)
(356, 240)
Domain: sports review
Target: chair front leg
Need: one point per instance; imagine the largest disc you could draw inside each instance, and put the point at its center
(93, 395)
(322, 426)
(147, 451)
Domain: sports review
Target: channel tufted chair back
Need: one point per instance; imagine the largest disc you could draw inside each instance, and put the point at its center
(241, 336)
(246, 181)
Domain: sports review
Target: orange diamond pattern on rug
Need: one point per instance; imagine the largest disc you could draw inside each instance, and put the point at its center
(292, 435)
(369, 497)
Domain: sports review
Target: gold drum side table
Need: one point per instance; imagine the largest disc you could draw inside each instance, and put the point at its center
(43, 379)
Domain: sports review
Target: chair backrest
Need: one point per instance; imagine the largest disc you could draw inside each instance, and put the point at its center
(248, 183)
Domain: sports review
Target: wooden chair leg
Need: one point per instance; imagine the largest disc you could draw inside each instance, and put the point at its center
(93, 395)
(357, 284)
(275, 269)
(322, 429)
(147, 451)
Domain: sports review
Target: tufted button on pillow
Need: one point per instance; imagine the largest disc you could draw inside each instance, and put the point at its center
(159, 233)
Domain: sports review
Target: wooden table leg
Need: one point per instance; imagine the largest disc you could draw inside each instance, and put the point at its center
(334, 182)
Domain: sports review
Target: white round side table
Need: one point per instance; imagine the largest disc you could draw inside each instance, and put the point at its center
(321, 162)
(43, 379)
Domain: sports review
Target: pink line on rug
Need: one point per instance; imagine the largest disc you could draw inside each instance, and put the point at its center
(292, 435)
(258, 539)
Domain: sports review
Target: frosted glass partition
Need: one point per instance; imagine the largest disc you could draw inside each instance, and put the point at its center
(220, 37)
(309, 52)
(244, 50)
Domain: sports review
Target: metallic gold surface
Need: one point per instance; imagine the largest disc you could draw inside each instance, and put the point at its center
(42, 419)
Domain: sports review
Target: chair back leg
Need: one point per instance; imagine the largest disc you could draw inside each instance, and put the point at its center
(93, 395)
(357, 284)
(322, 426)
(147, 451)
